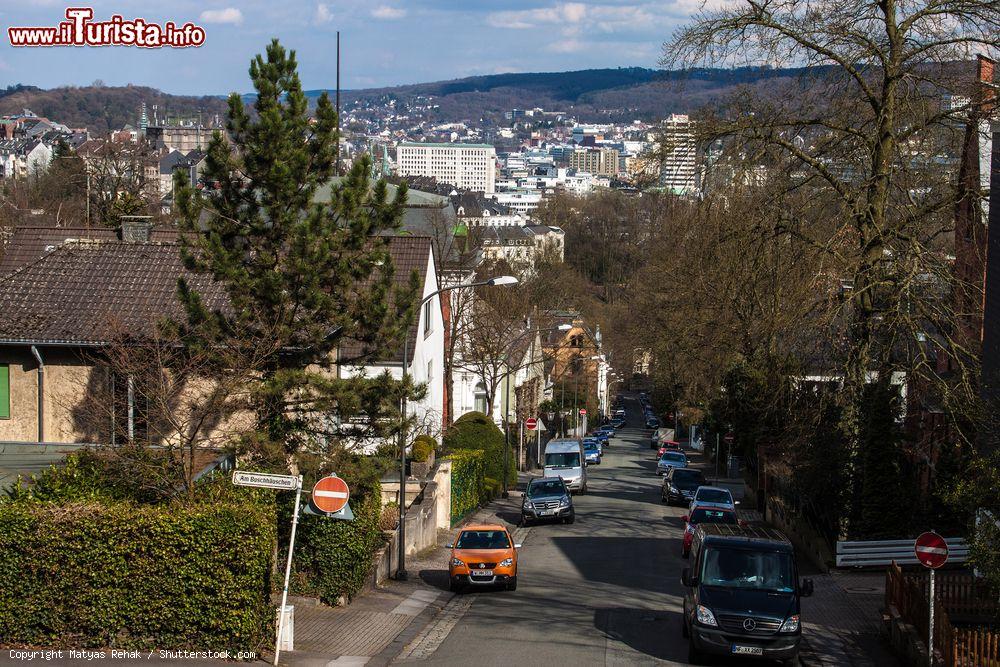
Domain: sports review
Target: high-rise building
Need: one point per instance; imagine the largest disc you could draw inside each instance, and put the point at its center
(466, 166)
(597, 161)
(679, 155)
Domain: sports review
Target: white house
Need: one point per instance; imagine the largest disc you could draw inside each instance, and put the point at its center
(425, 352)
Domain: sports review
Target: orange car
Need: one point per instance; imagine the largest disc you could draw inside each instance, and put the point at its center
(483, 556)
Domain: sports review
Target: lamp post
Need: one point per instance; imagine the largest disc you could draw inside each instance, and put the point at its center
(506, 408)
(401, 574)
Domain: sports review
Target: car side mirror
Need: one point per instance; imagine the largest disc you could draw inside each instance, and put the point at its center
(451, 546)
(687, 579)
(684, 518)
(806, 588)
(517, 546)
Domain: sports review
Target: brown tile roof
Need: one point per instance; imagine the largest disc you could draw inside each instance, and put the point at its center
(87, 291)
(409, 253)
(90, 292)
(30, 243)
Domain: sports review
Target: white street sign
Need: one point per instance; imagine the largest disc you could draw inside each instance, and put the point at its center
(265, 480)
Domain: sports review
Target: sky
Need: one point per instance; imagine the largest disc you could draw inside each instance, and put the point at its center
(383, 42)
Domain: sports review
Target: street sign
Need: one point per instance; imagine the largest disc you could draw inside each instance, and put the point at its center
(330, 494)
(583, 411)
(931, 550)
(265, 480)
(729, 438)
(531, 423)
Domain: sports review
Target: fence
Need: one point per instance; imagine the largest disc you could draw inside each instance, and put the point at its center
(883, 552)
(957, 595)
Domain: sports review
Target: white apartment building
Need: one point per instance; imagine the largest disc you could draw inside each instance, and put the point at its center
(519, 201)
(679, 156)
(466, 166)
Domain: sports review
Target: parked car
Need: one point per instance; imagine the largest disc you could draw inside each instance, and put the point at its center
(736, 569)
(594, 440)
(652, 422)
(547, 498)
(483, 556)
(564, 458)
(704, 515)
(679, 485)
(619, 412)
(601, 437)
(618, 422)
(671, 460)
(591, 452)
(668, 446)
(661, 434)
(713, 495)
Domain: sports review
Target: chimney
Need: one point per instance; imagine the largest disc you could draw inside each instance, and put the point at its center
(136, 228)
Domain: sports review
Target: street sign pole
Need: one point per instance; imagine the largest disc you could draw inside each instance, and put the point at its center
(718, 455)
(930, 628)
(288, 571)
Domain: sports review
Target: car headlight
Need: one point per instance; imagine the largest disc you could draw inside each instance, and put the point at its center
(791, 624)
(705, 616)
(671, 487)
(690, 529)
(564, 502)
(528, 505)
(506, 562)
(457, 563)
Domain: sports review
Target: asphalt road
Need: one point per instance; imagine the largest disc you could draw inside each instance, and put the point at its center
(603, 591)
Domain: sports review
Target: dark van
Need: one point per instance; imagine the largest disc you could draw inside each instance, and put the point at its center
(742, 594)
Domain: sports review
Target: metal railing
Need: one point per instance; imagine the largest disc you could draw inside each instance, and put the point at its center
(869, 553)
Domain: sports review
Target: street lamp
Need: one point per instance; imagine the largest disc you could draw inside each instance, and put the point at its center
(401, 574)
(506, 409)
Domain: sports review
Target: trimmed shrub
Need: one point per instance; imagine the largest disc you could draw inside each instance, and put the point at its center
(334, 558)
(423, 448)
(468, 485)
(474, 430)
(121, 575)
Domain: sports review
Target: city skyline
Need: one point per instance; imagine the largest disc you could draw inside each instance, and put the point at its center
(391, 42)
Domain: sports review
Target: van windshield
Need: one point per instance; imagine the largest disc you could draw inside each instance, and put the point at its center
(562, 460)
(743, 568)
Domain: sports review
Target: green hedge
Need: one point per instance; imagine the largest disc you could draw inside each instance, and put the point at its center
(333, 558)
(423, 447)
(474, 430)
(468, 483)
(90, 574)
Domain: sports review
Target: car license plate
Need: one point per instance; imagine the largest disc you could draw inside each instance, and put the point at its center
(747, 650)
(544, 512)
(482, 573)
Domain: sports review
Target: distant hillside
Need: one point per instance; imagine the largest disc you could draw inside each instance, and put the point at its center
(623, 93)
(102, 108)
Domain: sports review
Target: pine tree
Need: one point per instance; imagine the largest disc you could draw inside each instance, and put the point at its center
(300, 276)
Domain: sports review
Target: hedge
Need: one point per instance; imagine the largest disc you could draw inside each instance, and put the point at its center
(122, 575)
(334, 558)
(474, 430)
(468, 482)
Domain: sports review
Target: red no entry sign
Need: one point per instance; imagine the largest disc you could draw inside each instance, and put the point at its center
(931, 550)
(330, 494)
(583, 411)
(531, 423)
(729, 438)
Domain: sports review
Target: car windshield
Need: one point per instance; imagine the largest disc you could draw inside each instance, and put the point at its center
(742, 568)
(714, 496)
(562, 460)
(688, 478)
(546, 488)
(673, 457)
(590, 446)
(483, 539)
(702, 515)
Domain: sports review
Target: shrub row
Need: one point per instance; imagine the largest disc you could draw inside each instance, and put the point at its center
(122, 575)
(468, 482)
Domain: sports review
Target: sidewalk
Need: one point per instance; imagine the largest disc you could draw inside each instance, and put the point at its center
(380, 625)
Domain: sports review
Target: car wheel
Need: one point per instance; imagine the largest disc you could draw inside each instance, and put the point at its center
(571, 519)
(694, 655)
(512, 583)
(684, 628)
(455, 586)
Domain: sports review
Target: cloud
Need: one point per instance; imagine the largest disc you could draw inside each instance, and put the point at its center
(387, 13)
(227, 15)
(567, 12)
(323, 14)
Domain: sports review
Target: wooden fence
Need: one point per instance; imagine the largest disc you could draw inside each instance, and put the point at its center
(957, 595)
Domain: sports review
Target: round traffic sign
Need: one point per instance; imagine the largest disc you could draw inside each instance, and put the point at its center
(728, 438)
(330, 494)
(531, 423)
(583, 411)
(931, 550)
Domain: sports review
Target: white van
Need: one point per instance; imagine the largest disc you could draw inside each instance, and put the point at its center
(564, 458)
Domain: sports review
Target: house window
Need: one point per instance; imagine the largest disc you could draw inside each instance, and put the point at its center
(4, 391)
(481, 398)
(430, 371)
(428, 318)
